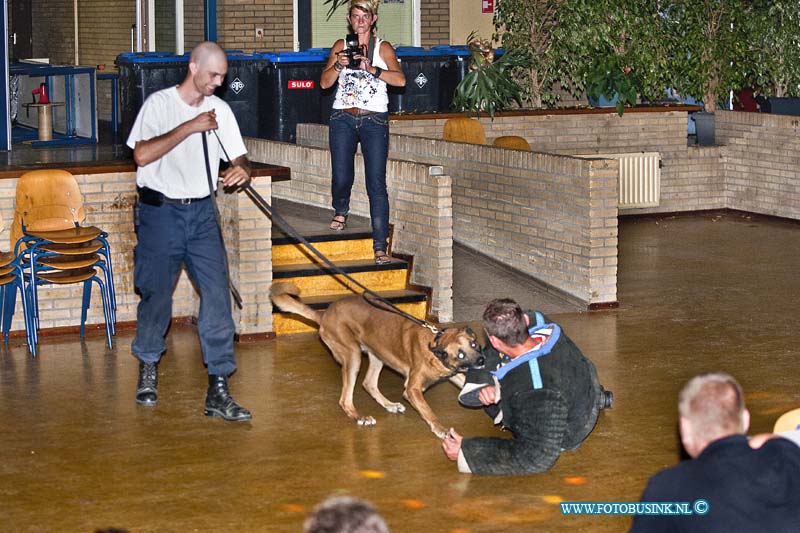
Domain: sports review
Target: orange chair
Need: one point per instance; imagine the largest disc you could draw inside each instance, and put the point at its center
(464, 130)
(512, 142)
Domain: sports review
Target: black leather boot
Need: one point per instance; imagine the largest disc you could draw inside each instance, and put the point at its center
(220, 403)
(147, 386)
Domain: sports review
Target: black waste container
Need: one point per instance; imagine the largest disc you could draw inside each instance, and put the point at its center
(142, 74)
(454, 70)
(289, 94)
(241, 89)
(423, 73)
(327, 96)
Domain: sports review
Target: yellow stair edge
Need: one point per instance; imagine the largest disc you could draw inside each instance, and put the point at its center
(287, 254)
(284, 323)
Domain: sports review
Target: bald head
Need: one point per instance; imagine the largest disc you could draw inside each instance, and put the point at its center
(205, 51)
(208, 65)
(711, 407)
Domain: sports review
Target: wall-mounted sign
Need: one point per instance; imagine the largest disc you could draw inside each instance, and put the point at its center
(487, 6)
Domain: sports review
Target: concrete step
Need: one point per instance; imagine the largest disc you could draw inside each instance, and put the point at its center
(412, 302)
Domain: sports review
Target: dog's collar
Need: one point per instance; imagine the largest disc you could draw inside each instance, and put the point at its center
(441, 355)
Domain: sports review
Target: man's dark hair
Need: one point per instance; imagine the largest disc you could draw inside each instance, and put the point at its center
(504, 319)
(343, 514)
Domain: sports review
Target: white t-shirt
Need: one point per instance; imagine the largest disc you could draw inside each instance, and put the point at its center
(181, 172)
(359, 88)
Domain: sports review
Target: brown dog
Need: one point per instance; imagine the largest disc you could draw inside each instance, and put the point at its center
(352, 325)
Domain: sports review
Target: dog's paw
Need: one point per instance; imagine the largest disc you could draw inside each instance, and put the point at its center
(366, 421)
(440, 432)
(395, 407)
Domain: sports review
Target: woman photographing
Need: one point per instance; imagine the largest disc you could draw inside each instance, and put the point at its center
(360, 114)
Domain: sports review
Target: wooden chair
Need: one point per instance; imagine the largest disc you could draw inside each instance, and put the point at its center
(464, 130)
(513, 142)
(55, 248)
(789, 421)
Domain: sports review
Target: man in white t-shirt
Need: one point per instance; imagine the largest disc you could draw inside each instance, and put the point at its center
(176, 224)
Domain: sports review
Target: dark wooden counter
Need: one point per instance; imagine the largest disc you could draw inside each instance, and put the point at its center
(556, 111)
(276, 172)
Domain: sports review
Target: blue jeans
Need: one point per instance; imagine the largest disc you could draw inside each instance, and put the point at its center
(170, 235)
(372, 130)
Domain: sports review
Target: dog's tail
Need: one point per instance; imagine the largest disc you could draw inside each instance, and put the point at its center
(283, 295)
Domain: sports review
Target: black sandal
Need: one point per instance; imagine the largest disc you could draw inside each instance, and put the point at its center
(382, 258)
(338, 222)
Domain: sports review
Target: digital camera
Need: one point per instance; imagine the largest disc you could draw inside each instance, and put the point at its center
(351, 49)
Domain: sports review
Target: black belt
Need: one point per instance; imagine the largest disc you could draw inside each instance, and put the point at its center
(156, 199)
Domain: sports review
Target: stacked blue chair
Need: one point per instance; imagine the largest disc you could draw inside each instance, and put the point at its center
(11, 282)
(54, 248)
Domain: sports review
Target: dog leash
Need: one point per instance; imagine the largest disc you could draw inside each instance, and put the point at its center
(234, 291)
(379, 301)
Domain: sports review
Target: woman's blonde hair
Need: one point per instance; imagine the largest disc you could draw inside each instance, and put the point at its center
(370, 6)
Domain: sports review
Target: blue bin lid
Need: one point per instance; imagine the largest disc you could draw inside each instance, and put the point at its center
(294, 57)
(238, 55)
(417, 51)
(318, 51)
(151, 57)
(450, 50)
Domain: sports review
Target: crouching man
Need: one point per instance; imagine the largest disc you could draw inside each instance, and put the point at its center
(538, 385)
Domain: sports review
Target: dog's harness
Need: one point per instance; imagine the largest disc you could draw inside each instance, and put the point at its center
(374, 299)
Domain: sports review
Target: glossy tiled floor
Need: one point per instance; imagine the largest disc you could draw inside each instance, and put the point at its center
(696, 293)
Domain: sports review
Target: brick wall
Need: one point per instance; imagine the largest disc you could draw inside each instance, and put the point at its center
(420, 202)
(549, 216)
(193, 24)
(690, 176)
(761, 162)
(165, 26)
(237, 21)
(53, 29)
(435, 22)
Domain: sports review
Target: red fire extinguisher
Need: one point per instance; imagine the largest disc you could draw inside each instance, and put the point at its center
(42, 92)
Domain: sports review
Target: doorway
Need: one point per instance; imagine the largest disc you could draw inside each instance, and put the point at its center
(21, 34)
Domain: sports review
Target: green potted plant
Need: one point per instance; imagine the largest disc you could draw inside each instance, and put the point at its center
(709, 57)
(611, 83)
(488, 86)
(617, 46)
(531, 30)
(774, 50)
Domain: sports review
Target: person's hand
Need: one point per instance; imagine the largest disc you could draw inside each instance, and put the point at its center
(342, 60)
(366, 64)
(205, 121)
(452, 444)
(488, 395)
(235, 176)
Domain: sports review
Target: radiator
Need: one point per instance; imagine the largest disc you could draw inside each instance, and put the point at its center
(639, 178)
